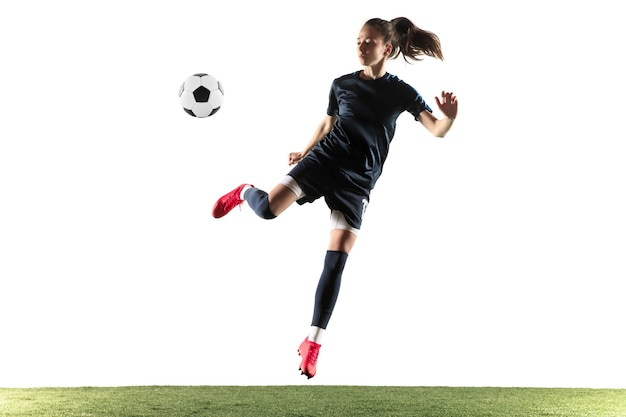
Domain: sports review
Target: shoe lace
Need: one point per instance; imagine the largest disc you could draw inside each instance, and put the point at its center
(232, 200)
(312, 354)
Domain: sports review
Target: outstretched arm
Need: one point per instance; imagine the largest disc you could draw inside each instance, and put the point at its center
(322, 130)
(448, 105)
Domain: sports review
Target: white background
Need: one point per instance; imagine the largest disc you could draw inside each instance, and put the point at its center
(493, 257)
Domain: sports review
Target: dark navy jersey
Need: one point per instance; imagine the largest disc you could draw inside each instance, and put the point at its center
(367, 111)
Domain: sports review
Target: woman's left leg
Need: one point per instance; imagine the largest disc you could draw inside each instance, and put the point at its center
(342, 239)
(341, 242)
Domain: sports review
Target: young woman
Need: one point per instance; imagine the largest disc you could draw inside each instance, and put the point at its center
(344, 158)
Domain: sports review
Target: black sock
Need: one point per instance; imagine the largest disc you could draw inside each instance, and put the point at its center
(258, 201)
(328, 288)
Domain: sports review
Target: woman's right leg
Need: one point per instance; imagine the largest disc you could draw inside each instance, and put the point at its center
(268, 206)
(265, 205)
(280, 198)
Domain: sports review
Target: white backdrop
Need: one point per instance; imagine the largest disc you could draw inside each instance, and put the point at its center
(492, 257)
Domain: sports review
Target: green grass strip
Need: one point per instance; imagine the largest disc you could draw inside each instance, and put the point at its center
(308, 401)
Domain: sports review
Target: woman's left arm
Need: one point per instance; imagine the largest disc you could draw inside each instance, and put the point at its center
(448, 105)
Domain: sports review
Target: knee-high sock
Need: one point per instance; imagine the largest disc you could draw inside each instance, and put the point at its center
(258, 202)
(328, 288)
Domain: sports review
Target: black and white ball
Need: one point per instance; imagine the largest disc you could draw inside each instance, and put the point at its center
(201, 95)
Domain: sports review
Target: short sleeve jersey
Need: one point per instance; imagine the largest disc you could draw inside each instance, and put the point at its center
(367, 111)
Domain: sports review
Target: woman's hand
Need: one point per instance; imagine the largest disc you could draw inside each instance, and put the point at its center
(448, 104)
(449, 107)
(322, 130)
(295, 157)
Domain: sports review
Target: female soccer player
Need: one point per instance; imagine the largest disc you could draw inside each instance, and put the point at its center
(344, 158)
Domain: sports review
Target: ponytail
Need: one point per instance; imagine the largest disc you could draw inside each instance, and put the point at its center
(407, 39)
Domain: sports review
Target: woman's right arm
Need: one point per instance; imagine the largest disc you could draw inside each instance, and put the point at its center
(322, 130)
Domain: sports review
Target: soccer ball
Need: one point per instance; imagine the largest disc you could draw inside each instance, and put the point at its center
(201, 95)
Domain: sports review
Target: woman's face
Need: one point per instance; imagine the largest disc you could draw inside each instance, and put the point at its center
(370, 47)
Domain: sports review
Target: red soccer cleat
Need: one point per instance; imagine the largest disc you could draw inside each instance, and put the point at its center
(228, 201)
(309, 352)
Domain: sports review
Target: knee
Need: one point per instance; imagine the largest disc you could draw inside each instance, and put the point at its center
(259, 202)
(266, 213)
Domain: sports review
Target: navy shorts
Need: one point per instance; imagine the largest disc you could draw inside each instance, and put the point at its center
(340, 192)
